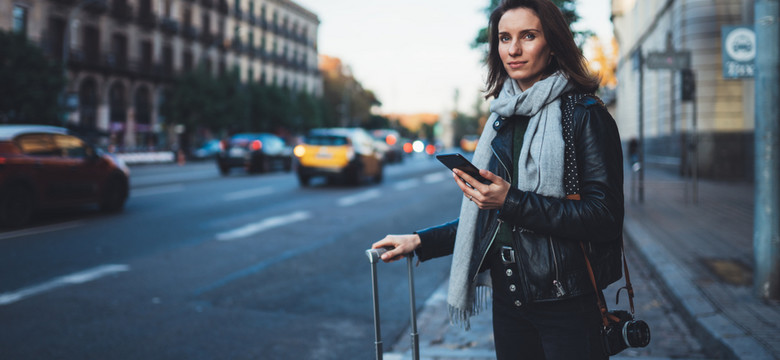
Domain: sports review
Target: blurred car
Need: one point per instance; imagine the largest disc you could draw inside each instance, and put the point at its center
(43, 167)
(391, 144)
(421, 146)
(208, 150)
(349, 154)
(469, 142)
(255, 152)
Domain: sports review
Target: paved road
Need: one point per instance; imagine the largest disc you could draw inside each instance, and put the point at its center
(200, 266)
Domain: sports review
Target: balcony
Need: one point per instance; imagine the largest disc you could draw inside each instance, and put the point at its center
(207, 38)
(169, 26)
(221, 43)
(147, 20)
(237, 46)
(97, 8)
(122, 12)
(190, 32)
(115, 62)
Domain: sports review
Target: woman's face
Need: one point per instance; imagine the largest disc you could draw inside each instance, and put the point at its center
(522, 46)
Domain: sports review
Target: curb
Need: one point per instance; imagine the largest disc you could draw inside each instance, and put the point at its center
(706, 321)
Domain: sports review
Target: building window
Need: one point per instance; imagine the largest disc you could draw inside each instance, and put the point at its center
(20, 20)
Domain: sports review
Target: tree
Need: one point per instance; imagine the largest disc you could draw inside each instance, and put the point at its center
(347, 103)
(30, 84)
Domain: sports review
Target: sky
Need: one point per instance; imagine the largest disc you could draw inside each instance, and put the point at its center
(415, 54)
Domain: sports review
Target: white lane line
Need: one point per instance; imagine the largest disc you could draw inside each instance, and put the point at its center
(40, 230)
(359, 197)
(407, 184)
(157, 190)
(269, 223)
(244, 194)
(72, 279)
(436, 177)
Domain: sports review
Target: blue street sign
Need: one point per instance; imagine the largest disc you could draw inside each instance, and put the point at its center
(739, 51)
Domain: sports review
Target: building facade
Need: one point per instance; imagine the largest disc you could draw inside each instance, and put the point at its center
(122, 54)
(723, 108)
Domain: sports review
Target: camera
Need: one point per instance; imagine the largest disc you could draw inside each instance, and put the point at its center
(625, 333)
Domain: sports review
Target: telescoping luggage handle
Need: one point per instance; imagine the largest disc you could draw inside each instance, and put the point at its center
(374, 255)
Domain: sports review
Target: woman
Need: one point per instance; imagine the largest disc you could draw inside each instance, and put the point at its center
(522, 227)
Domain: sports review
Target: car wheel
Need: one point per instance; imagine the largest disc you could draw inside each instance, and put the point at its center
(114, 195)
(223, 169)
(16, 207)
(304, 180)
(380, 174)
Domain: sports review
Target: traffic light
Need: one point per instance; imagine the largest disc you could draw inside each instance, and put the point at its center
(688, 84)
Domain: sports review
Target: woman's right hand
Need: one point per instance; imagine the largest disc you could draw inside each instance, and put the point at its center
(401, 244)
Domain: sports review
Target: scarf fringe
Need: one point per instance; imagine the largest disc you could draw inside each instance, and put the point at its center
(461, 317)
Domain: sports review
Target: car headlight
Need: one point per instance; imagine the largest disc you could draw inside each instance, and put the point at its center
(299, 151)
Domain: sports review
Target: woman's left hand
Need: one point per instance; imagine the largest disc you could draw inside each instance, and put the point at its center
(486, 196)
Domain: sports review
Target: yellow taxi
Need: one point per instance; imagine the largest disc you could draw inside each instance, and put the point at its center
(469, 142)
(347, 154)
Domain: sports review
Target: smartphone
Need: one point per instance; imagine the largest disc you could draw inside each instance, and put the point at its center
(457, 161)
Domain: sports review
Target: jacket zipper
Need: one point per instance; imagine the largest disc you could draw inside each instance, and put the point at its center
(499, 220)
(509, 173)
(559, 290)
(487, 249)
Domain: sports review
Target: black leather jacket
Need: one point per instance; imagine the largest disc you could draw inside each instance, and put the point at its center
(548, 231)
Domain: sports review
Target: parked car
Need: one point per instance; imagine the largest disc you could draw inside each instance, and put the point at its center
(43, 167)
(348, 154)
(391, 143)
(255, 152)
(208, 150)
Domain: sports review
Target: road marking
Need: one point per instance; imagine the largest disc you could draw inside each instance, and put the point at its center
(407, 184)
(359, 197)
(40, 230)
(157, 190)
(264, 225)
(436, 177)
(244, 194)
(72, 279)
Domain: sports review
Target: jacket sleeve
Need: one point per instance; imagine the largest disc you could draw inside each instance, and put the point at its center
(598, 216)
(437, 241)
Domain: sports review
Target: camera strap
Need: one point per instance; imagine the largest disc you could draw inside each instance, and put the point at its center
(572, 188)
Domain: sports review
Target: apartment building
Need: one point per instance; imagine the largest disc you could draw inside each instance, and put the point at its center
(122, 54)
(723, 107)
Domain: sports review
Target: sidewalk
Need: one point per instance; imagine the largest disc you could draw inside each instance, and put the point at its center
(701, 256)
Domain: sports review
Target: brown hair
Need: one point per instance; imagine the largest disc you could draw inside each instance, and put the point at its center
(568, 58)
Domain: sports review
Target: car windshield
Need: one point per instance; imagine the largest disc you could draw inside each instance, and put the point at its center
(326, 140)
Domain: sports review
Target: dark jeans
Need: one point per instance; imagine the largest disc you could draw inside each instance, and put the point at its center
(553, 330)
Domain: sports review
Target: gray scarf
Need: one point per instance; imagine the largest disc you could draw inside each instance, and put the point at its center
(540, 170)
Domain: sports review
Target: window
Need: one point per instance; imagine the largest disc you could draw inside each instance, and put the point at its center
(20, 20)
(37, 144)
(146, 55)
(71, 146)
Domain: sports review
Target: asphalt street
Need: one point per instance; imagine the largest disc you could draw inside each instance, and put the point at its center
(201, 266)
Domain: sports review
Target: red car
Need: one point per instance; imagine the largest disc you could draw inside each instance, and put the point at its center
(43, 167)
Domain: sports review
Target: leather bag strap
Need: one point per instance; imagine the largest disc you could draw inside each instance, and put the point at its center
(572, 188)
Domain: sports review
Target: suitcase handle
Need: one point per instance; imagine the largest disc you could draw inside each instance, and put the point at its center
(375, 254)
(373, 257)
